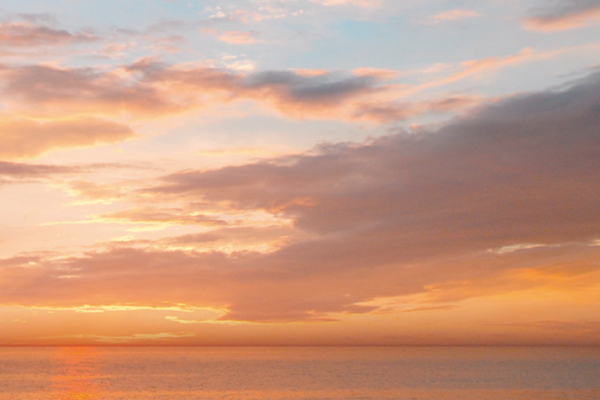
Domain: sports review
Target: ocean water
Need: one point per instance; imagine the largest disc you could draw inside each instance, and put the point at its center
(266, 373)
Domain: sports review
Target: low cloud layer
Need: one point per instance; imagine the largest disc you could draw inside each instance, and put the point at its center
(413, 213)
(520, 151)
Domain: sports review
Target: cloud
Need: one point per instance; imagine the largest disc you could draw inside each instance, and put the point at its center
(159, 217)
(26, 138)
(90, 192)
(381, 74)
(299, 95)
(11, 172)
(31, 34)
(134, 338)
(360, 3)
(515, 172)
(484, 66)
(256, 152)
(38, 17)
(33, 170)
(452, 15)
(198, 321)
(561, 15)
(409, 214)
(293, 93)
(479, 66)
(581, 327)
(231, 239)
(391, 111)
(50, 91)
(225, 239)
(238, 37)
(433, 308)
(149, 89)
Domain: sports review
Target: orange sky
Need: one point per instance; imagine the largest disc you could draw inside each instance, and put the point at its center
(299, 172)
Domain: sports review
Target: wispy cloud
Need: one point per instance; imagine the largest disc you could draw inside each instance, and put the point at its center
(360, 3)
(451, 15)
(135, 338)
(11, 172)
(28, 34)
(237, 37)
(88, 106)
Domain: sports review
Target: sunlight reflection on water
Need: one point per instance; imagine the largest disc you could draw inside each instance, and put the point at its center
(245, 373)
(76, 378)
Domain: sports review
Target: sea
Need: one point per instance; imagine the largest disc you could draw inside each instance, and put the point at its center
(300, 373)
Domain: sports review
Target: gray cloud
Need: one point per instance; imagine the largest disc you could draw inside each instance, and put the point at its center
(21, 173)
(321, 88)
(563, 14)
(38, 17)
(526, 164)
(33, 170)
(556, 9)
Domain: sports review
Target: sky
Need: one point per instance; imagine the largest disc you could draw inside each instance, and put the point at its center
(300, 172)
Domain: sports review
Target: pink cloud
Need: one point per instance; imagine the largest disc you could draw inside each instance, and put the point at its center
(26, 139)
(148, 89)
(383, 112)
(28, 34)
(43, 90)
(238, 37)
(452, 15)
(475, 67)
(11, 172)
(360, 3)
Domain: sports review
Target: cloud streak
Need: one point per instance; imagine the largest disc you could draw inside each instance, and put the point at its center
(11, 172)
(88, 106)
(27, 139)
(31, 35)
(452, 15)
(149, 89)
